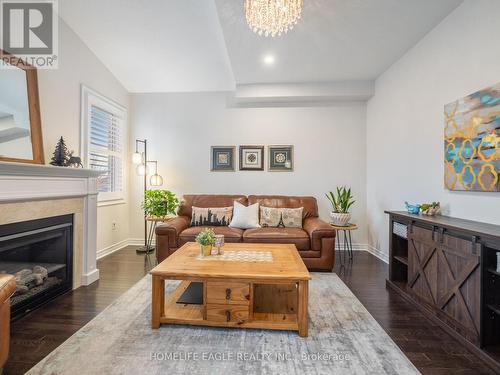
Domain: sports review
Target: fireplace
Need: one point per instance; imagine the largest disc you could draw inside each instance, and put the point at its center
(40, 254)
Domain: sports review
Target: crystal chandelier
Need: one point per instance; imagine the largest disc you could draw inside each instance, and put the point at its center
(272, 17)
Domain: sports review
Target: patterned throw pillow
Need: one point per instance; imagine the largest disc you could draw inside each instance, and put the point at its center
(281, 217)
(219, 216)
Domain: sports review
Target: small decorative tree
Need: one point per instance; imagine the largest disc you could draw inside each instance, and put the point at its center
(60, 156)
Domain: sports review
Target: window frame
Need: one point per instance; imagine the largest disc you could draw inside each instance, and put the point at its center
(90, 97)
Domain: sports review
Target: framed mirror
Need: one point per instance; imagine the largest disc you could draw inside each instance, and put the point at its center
(20, 124)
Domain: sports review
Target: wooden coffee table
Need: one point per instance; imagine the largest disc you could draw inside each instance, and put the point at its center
(250, 286)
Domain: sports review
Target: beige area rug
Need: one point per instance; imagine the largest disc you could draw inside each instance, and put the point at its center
(343, 339)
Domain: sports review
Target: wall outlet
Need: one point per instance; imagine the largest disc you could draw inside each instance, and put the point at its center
(114, 226)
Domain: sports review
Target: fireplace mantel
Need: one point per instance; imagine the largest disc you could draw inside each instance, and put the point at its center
(21, 183)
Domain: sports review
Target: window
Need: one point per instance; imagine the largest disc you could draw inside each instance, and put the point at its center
(103, 138)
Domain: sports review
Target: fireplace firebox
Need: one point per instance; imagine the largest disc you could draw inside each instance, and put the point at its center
(39, 253)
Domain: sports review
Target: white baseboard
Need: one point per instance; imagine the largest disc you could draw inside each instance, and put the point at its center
(139, 241)
(378, 253)
(355, 246)
(90, 277)
(120, 245)
(111, 249)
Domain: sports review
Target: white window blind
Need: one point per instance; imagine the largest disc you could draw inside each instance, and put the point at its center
(105, 144)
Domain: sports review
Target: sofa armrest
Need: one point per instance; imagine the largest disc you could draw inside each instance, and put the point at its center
(167, 236)
(317, 230)
(7, 286)
(173, 228)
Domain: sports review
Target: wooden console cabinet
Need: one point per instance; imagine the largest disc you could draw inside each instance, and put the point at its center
(446, 267)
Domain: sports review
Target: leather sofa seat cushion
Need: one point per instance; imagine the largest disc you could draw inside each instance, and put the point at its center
(230, 234)
(296, 236)
(309, 204)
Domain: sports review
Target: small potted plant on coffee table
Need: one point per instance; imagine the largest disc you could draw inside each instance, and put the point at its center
(206, 239)
(341, 201)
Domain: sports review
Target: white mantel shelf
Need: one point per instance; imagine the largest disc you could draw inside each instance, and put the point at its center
(23, 169)
(21, 182)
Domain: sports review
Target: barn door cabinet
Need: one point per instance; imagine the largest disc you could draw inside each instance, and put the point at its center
(446, 267)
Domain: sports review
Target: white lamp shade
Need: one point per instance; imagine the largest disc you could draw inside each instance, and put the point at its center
(142, 169)
(156, 180)
(136, 158)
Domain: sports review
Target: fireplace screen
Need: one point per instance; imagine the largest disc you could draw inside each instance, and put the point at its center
(39, 254)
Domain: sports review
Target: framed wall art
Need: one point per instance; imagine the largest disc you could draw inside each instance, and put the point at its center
(280, 158)
(251, 158)
(222, 158)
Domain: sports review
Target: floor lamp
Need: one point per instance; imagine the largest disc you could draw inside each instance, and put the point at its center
(140, 158)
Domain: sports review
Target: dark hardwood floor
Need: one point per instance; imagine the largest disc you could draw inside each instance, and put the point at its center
(426, 345)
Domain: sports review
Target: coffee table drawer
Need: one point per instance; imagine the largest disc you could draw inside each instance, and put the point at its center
(236, 314)
(228, 293)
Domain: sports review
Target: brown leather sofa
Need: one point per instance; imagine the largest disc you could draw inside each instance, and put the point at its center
(7, 288)
(315, 241)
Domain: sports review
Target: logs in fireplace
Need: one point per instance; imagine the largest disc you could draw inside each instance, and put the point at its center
(39, 253)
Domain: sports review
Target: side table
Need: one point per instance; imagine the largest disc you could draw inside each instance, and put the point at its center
(153, 220)
(347, 240)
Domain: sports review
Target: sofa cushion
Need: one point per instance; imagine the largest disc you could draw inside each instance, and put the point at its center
(208, 200)
(281, 217)
(230, 234)
(211, 216)
(296, 236)
(282, 201)
(245, 217)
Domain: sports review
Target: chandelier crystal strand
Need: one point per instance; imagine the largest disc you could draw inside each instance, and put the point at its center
(272, 17)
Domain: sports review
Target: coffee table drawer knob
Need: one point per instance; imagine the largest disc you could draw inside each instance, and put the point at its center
(227, 293)
(229, 314)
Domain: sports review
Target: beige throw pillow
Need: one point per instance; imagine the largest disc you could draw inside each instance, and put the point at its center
(219, 216)
(281, 217)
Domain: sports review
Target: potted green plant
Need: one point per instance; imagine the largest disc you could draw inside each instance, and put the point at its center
(159, 203)
(206, 239)
(341, 201)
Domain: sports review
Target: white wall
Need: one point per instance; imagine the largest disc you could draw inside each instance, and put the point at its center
(60, 110)
(405, 117)
(330, 148)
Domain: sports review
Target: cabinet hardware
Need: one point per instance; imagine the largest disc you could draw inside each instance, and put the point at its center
(228, 293)
(441, 235)
(434, 231)
(228, 316)
(475, 241)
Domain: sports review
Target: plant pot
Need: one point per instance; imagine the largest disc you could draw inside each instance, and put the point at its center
(206, 250)
(340, 219)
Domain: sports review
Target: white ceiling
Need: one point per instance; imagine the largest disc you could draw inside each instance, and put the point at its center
(205, 45)
(334, 40)
(154, 45)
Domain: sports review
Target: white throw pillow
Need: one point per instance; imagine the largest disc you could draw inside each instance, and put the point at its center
(245, 217)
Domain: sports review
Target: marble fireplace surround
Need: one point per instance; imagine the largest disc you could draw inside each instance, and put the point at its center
(29, 191)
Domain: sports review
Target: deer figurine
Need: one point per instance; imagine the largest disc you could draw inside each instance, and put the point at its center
(74, 161)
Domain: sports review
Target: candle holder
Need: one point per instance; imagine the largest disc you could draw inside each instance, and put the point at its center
(219, 242)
